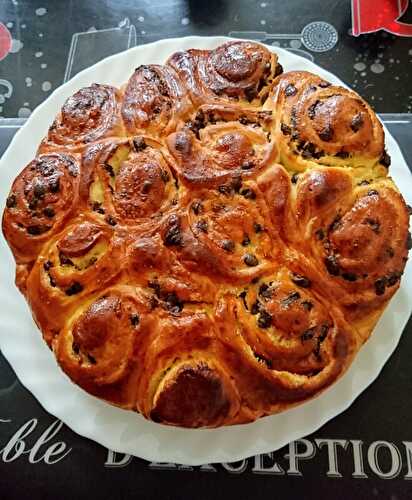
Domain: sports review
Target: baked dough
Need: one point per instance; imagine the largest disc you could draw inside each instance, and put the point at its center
(214, 241)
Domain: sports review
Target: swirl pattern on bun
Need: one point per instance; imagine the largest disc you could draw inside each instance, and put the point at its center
(213, 242)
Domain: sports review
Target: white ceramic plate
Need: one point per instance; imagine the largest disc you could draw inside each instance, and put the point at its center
(125, 431)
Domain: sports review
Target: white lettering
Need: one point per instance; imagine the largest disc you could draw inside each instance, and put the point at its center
(332, 445)
(114, 461)
(294, 456)
(16, 445)
(408, 448)
(396, 462)
(359, 471)
(259, 467)
(208, 468)
(235, 470)
(162, 466)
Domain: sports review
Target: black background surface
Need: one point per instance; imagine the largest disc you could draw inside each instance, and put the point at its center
(382, 413)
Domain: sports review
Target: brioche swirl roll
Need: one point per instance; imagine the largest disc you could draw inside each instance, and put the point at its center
(235, 71)
(155, 101)
(186, 381)
(355, 237)
(41, 199)
(81, 259)
(97, 346)
(322, 124)
(222, 141)
(128, 181)
(89, 115)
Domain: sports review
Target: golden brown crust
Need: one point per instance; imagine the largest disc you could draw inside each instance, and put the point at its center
(214, 242)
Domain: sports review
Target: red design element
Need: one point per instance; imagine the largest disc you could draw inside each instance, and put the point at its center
(373, 15)
(5, 41)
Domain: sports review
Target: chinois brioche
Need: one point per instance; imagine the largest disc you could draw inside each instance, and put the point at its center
(214, 241)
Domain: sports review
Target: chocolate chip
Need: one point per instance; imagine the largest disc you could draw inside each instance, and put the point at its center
(54, 185)
(236, 184)
(65, 260)
(202, 225)
(164, 176)
(326, 134)
(250, 94)
(374, 224)
(228, 245)
(373, 192)
(257, 227)
(307, 305)
(278, 70)
(265, 291)
(286, 130)
(147, 186)
(47, 265)
(139, 144)
(390, 252)
(255, 307)
(91, 359)
(52, 282)
(349, 276)
(294, 178)
(342, 154)
(11, 201)
(247, 165)
(111, 220)
(324, 85)
(264, 319)
(312, 109)
(97, 207)
(393, 278)
(357, 122)
(300, 280)
(364, 183)
(244, 121)
(250, 260)
(332, 265)
(74, 288)
(134, 319)
(263, 360)
(336, 223)
(225, 189)
(173, 235)
(248, 193)
(323, 332)
(242, 296)
(33, 204)
(38, 229)
(246, 240)
(109, 169)
(49, 212)
(385, 159)
(380, 285)
(308, 334)
(173, 304)
(320, 234)
(75, 348)
(290, 299)
(197, 207)
(290, 90)
(39, 188)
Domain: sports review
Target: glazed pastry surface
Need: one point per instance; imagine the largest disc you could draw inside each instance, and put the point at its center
(214, 241)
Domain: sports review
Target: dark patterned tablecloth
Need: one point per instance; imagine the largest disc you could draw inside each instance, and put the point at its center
(364, 453)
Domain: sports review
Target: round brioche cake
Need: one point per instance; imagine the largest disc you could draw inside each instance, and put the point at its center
(212, 242)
